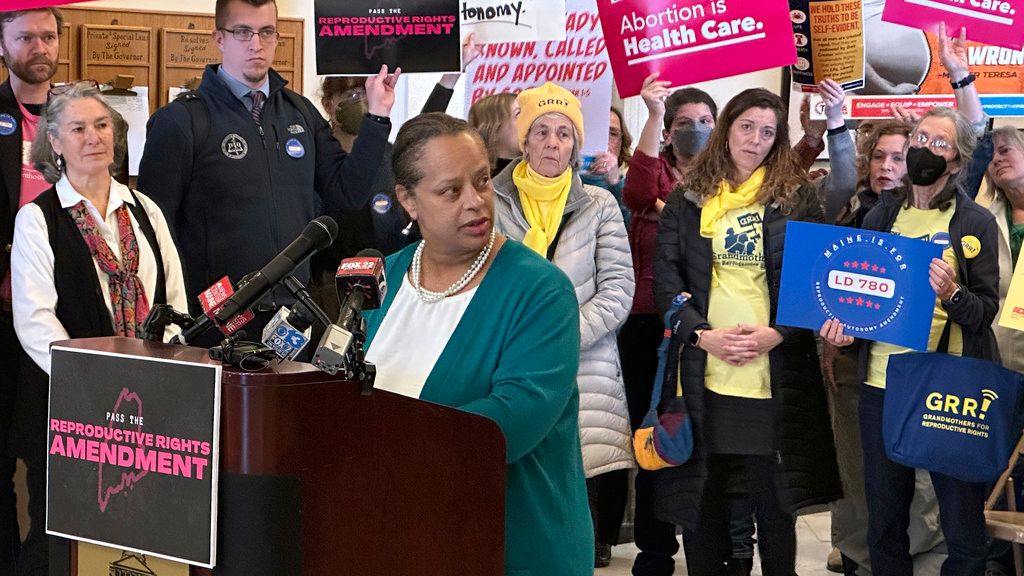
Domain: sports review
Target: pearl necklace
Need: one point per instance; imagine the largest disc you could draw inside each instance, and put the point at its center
(429, 296)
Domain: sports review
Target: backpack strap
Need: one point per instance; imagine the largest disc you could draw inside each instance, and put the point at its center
(200, 116)
(305, 108)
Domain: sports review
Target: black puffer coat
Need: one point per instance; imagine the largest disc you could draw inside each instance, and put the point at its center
(807, 473)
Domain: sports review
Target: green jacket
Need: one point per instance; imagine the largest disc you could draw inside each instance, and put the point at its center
(513, 358)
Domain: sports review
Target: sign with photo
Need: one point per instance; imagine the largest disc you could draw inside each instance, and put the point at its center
(132, 453)
(357, 37)
(992, 21)
(875, 283)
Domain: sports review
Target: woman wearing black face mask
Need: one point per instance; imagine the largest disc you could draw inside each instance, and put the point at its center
(966, 285)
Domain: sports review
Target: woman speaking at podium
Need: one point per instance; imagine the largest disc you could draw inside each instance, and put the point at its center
(89, 258)
(481, 323)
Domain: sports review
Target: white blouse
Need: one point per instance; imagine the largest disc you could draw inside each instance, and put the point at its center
(412, 337)
(34, 295)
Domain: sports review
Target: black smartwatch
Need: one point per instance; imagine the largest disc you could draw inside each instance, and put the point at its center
(379, 119)
(965, 81)
(957, 296)
(694, 339)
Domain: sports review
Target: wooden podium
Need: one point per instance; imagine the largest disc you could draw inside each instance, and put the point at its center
(317, 479)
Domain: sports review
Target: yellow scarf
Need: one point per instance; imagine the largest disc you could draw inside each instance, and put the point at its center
(543, 202)
(727, 199)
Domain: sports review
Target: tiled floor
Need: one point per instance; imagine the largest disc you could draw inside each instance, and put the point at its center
(813, 546)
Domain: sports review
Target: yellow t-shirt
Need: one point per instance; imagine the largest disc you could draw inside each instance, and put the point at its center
(930, 225)
(739, 294)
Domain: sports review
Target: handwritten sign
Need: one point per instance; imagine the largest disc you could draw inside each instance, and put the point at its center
(520, 21)
(691, 41)
(990, 21)
(579, 64)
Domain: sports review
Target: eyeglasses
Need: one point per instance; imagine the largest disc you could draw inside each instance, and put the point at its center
(63, 88)
(937, 144)
(243, 34)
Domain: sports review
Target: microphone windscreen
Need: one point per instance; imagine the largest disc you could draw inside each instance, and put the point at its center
(321, 232)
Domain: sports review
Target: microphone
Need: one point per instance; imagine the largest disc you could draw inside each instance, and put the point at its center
(212, 301)
(288, 331)
(317, 235)
(361, 285)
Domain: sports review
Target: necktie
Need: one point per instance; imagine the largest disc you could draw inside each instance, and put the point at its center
(257, 106)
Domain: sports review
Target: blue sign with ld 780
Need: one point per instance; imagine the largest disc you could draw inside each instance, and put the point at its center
(875, 283)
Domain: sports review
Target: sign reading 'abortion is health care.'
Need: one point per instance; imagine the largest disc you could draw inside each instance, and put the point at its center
(875, 283)
(994, 22)
(691, 41)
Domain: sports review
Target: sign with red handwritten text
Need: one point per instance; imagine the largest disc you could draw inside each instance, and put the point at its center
(993, 22)
(691, 41)
(357, 37)
(132, 453)
(579, 64)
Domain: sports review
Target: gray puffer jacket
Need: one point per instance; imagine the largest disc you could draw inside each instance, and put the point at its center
(593, 251)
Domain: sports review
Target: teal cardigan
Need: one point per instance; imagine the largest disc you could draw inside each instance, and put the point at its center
(513, 358)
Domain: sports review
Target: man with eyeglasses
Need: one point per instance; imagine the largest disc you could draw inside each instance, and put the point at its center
(268, 164)
(29, 41)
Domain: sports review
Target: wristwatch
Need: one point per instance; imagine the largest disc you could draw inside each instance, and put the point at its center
(965, 81)
(957, 295)
(695, 337)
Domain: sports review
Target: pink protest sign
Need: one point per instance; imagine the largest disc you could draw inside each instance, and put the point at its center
(691, 41)
(990, 21)
(29, 4)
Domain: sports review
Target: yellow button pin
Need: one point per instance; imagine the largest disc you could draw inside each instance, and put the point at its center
(971, 245)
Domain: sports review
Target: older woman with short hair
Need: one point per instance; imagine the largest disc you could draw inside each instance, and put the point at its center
(541, 201)
(90, 256)
(1004, 198)
(482, 324)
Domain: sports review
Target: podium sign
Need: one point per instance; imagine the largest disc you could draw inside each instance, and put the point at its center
(133, 453)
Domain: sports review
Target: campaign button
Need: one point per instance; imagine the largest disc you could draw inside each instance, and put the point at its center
(294, 148)
(7, 124)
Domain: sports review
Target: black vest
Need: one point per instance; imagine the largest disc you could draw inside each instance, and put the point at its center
(81, 308)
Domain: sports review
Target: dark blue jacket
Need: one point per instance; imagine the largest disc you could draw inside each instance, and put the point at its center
(10, 174)
(239, 197)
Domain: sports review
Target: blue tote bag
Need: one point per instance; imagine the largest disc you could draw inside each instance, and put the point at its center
(952, 415)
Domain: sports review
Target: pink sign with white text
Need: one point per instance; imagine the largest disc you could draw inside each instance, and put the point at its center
(691, 41)
(993, 22)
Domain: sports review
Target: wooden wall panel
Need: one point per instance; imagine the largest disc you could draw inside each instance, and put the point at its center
(164, 49)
